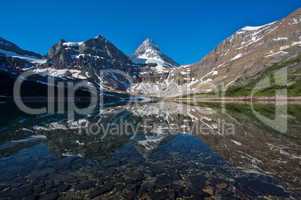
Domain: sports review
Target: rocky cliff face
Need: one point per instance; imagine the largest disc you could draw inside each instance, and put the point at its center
(97, 52)
(89, 56)
(247, 53)
(85, 60)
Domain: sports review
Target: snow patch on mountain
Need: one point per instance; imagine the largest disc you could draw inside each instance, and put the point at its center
(149, 53)
(280, 39)
(30, 59)
(256, 28)
(72, 44)
(236, 57)
(278, 53)
(61, 73)
(296, 43)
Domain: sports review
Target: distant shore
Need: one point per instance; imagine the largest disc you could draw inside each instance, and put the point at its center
(244, 99)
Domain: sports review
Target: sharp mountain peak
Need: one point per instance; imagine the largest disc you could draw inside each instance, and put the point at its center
(150, 53)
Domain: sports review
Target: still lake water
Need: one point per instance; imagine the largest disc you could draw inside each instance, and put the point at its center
(151, 151)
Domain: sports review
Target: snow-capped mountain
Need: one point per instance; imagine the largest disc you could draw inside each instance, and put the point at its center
(15, 60)
(87, 57)
(98, 53)
(84, 60)
(149, 53)
(239, 59)
(11, 51)
(248, 53)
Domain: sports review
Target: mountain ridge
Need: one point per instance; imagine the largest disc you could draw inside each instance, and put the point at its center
(240, 57)
(236, 60)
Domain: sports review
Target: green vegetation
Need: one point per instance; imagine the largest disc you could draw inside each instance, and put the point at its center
(293, 86)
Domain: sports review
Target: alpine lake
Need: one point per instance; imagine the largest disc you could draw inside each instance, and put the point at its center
(160, 150)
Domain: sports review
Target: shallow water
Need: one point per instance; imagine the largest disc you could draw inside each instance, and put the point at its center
(152, 151)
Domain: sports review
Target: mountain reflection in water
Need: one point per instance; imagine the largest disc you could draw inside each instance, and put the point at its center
(151, 151)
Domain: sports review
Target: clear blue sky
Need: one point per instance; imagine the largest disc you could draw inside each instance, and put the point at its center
(185, 30)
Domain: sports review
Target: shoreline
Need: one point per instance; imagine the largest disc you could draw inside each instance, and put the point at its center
(279, 99)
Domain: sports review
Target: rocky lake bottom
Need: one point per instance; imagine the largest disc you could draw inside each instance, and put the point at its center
(151, 151)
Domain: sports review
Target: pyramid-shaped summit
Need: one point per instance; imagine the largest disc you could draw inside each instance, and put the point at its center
(149, 53)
